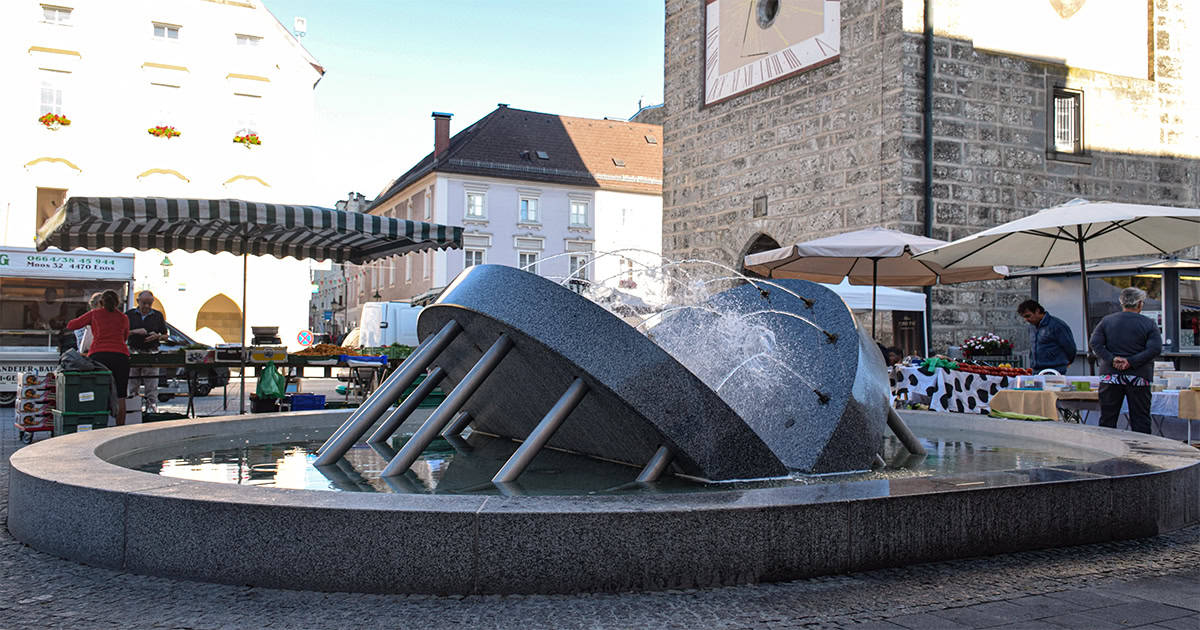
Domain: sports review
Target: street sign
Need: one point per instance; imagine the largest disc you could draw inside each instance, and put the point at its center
(305, 338)
(328, 315)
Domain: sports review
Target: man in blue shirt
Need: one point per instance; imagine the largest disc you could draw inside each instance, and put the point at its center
(1053, 344)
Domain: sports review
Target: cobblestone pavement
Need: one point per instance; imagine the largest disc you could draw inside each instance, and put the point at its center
(1150, 583)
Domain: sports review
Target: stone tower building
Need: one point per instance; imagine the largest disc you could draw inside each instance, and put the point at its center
(781, 127)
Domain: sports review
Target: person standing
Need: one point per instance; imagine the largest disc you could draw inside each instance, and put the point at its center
(1053, 343)
(109, 330)
(1127, 343)
(147, 327)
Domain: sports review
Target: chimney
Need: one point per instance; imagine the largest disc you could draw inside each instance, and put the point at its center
(441, 133)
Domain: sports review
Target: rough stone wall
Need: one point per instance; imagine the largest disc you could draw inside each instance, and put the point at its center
(840, 147)
(991, 163)
(819, 145)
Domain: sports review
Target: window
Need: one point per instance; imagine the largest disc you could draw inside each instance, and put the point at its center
(427, 266)
(475, 208)
(1189, 311)
(578, 272)
(527, 261)
(246, 110)
(428, 203)
(529, 210)
(165, 100)
(1067, 117)
(579, 212)
(166, 31)
(55, 15)
(1104, 291)
(472, 257)
(247, 40)
(52, 96)
(408, 267)
(391, 265)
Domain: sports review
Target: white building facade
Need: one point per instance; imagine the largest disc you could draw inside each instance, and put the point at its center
(210, 71)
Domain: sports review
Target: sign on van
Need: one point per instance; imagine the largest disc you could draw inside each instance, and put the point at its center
(28, 263)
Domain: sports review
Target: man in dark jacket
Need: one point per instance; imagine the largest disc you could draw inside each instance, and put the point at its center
(1126, 343)
(1052, 340)
(146, 328)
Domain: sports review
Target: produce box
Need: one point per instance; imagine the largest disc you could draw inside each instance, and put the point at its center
(203, 355)
(263, 354)
(33, 379)
(67, 422)
(306, 402)
(83, 392)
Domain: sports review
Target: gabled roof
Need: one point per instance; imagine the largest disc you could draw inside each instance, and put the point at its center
(510, 143)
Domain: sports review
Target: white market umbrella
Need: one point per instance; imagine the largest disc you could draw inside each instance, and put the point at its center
(874, 256)
(1072, 232)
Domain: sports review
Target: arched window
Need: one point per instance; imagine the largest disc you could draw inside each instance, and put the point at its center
(760, 243)
(223, 316)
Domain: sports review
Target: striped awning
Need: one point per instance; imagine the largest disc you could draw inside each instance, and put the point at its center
(238, 227)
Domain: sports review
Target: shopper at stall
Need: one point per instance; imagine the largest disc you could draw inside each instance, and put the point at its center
(1127, 343)
(147, 327)
(1052, 342)
(109, 330)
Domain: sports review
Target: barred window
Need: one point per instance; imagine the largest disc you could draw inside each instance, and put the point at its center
(1068, 120)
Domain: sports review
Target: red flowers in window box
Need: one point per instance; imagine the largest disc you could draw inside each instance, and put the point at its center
(248, 140)
(164, 131)
(54, 121)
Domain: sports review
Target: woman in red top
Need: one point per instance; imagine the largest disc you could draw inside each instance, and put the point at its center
(110, 329)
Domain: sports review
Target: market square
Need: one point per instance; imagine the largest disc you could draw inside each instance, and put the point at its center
(879, 314)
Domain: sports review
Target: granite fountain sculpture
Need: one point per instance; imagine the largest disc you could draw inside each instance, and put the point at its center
(525, 358)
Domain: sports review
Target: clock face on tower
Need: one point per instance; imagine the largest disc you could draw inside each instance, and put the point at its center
(750, 43)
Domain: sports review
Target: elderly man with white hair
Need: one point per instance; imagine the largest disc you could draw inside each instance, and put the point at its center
(1127, 343)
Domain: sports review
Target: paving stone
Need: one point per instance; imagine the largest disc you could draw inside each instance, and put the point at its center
(1076, 620)
(1182, 591)
(927, 620)
(1191, 622)
(1139, 613)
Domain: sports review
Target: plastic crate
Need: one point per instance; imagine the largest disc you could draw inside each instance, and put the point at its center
(307, 402)
(83, 392)
(67, 422)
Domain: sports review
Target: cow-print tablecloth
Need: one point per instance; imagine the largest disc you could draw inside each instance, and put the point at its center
(947, 390)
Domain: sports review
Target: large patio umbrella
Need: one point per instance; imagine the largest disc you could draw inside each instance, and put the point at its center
(1073, 232)
(238, 227)
(874, 256)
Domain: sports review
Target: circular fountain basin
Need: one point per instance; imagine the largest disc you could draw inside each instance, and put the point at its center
(67, 498)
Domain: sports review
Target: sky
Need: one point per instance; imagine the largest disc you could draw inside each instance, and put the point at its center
(390, 63)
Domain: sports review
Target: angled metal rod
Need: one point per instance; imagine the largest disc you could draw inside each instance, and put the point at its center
(406, 408)
(450, 406)
(374, 406)
(656, 466)
(903, 433)
(457, 424)
(542, 433)
(383, 449)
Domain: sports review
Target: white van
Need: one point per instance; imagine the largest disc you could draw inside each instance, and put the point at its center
(386, 323)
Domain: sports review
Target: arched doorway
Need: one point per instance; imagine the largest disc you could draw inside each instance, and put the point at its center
(760, 243)
(223, 316)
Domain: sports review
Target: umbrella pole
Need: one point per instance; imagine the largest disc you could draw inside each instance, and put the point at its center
(242, 408)
(1083, 280)
(874, 289)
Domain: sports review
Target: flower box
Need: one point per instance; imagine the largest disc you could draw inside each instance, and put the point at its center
(989, 344)
(164, 131)
(249, 140)
(54, 121)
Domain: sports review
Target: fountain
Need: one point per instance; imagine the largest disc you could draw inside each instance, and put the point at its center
(765, 396)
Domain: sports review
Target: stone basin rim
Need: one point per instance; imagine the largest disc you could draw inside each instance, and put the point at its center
(88, 457)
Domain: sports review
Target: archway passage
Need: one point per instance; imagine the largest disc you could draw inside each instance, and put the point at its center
(760, 243)
(223, 316)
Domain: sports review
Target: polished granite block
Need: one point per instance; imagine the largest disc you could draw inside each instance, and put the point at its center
(639, 398)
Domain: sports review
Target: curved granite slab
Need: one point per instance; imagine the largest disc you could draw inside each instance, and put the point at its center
(638, 398)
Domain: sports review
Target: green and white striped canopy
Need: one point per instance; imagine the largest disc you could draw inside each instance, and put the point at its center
(238, 227)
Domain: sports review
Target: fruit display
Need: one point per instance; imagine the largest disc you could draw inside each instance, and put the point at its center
(327, 350)
(1004, 369)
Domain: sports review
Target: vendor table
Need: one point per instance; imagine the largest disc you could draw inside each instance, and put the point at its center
(947, 390)
(1067, 405)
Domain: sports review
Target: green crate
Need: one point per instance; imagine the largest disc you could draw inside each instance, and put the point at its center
(83, 392)
(67, 422)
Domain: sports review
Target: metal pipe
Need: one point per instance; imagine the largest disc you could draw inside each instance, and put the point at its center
(457, 424)
(450, 406)
(406, 408)
(542, 432)
(656, 466)
(1083, 281)
(927, 193)
(242, 371)
(906, 436)
(374, 406)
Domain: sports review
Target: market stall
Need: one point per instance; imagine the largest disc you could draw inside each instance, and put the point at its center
(951, 386)
(239, 227)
